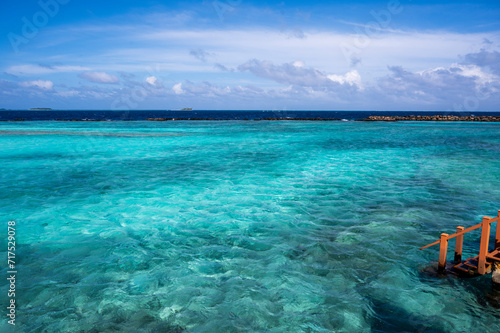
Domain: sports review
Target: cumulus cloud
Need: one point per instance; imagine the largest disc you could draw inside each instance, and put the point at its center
(351, 78)
(452, 76)
(298, 63)
(99, 77)
(178, 89)
(330, 84)
(40, 84)
(485, 59)
(298, 74)
(153, 81)
(439, 88)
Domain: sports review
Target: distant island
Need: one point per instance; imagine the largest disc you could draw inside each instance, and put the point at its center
(40, 109)
(186, 109)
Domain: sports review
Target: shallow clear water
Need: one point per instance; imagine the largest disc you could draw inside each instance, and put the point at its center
(246, 226)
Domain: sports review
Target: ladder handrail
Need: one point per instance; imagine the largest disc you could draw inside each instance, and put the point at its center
(477, 226)
(485, 226)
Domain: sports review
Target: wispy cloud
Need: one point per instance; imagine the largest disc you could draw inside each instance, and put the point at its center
(99, 77)
(200, 54)
(370, 27)
(29, 69)
(41, 84)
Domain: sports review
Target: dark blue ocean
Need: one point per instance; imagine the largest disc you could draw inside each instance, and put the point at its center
(214, 114)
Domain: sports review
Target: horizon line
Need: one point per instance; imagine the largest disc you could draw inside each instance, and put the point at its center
(245, 110)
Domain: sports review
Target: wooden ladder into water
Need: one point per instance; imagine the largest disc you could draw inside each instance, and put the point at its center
(478, 265)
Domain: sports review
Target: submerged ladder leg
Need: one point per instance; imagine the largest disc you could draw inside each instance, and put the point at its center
(483, 250)
(497, 236)
(443, 250)
(459, 245)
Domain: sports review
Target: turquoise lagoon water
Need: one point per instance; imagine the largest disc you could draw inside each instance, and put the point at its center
(238, 226)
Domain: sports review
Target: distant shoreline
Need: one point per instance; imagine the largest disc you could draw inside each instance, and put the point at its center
(158, 116)
(370, 118)
(433, 118)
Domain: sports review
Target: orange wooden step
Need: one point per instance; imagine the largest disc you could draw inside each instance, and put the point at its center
(494, 255)
(463, 268)
(469, 266)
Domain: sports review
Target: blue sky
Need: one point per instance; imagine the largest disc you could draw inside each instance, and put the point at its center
(239, 54)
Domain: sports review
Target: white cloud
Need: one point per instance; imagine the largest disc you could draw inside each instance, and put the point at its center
(99, 77)
(298, 75)
(489, 60)
(320, 48)
(471, 71)
(299, 64)
(352, 78)
(178, 89)
(41, 84)
(441, 88)
(423, 66)
(152, 80)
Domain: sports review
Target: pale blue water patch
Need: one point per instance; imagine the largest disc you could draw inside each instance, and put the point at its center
(246, 226)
